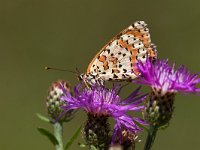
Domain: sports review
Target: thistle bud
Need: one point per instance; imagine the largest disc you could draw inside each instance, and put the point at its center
(54, 102)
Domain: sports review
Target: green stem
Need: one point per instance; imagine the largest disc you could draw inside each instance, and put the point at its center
(58, 133)
(151, 137)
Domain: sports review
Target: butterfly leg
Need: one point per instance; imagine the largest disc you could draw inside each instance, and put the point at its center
(86, 84)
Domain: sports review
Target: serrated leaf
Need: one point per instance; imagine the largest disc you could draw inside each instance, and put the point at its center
(73, 138)
(49, 135)
(43, 118)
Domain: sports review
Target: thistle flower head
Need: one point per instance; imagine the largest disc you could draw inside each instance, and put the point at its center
(165, 82)
(102, 102)
(164, 78)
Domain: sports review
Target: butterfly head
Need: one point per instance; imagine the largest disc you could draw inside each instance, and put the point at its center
(81, 76)
(90, 79)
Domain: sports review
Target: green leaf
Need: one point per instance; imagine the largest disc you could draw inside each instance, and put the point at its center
(49, 135)
(73, 138)
(141, 126)
(43, 118)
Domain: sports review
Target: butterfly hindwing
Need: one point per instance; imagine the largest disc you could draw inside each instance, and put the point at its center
(118, 59)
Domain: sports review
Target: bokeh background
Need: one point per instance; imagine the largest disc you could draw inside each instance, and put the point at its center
(67, 34)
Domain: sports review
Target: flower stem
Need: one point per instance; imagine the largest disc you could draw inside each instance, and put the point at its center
(151, 137)
(58, 133)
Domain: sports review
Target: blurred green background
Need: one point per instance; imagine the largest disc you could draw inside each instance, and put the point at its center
(67, 34)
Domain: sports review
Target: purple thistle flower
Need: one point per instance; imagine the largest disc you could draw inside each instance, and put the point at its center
(161, 76)
(102, 102)
(165, 82)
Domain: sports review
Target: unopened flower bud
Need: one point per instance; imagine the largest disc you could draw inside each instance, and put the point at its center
(54, 102)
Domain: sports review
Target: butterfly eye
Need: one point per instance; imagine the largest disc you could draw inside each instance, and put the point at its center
(80, 77)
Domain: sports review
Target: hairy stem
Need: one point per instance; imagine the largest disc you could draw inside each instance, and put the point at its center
(58, 132)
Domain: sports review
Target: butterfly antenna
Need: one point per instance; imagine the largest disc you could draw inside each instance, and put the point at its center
(77, 71)
(51, 68)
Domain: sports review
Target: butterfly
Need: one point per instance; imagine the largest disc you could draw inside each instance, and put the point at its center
(117, 60)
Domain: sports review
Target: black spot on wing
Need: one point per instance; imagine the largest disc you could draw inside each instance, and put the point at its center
(110, 79)
(123, 75)
(124, 70)
(119, 35)
(115, 76)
